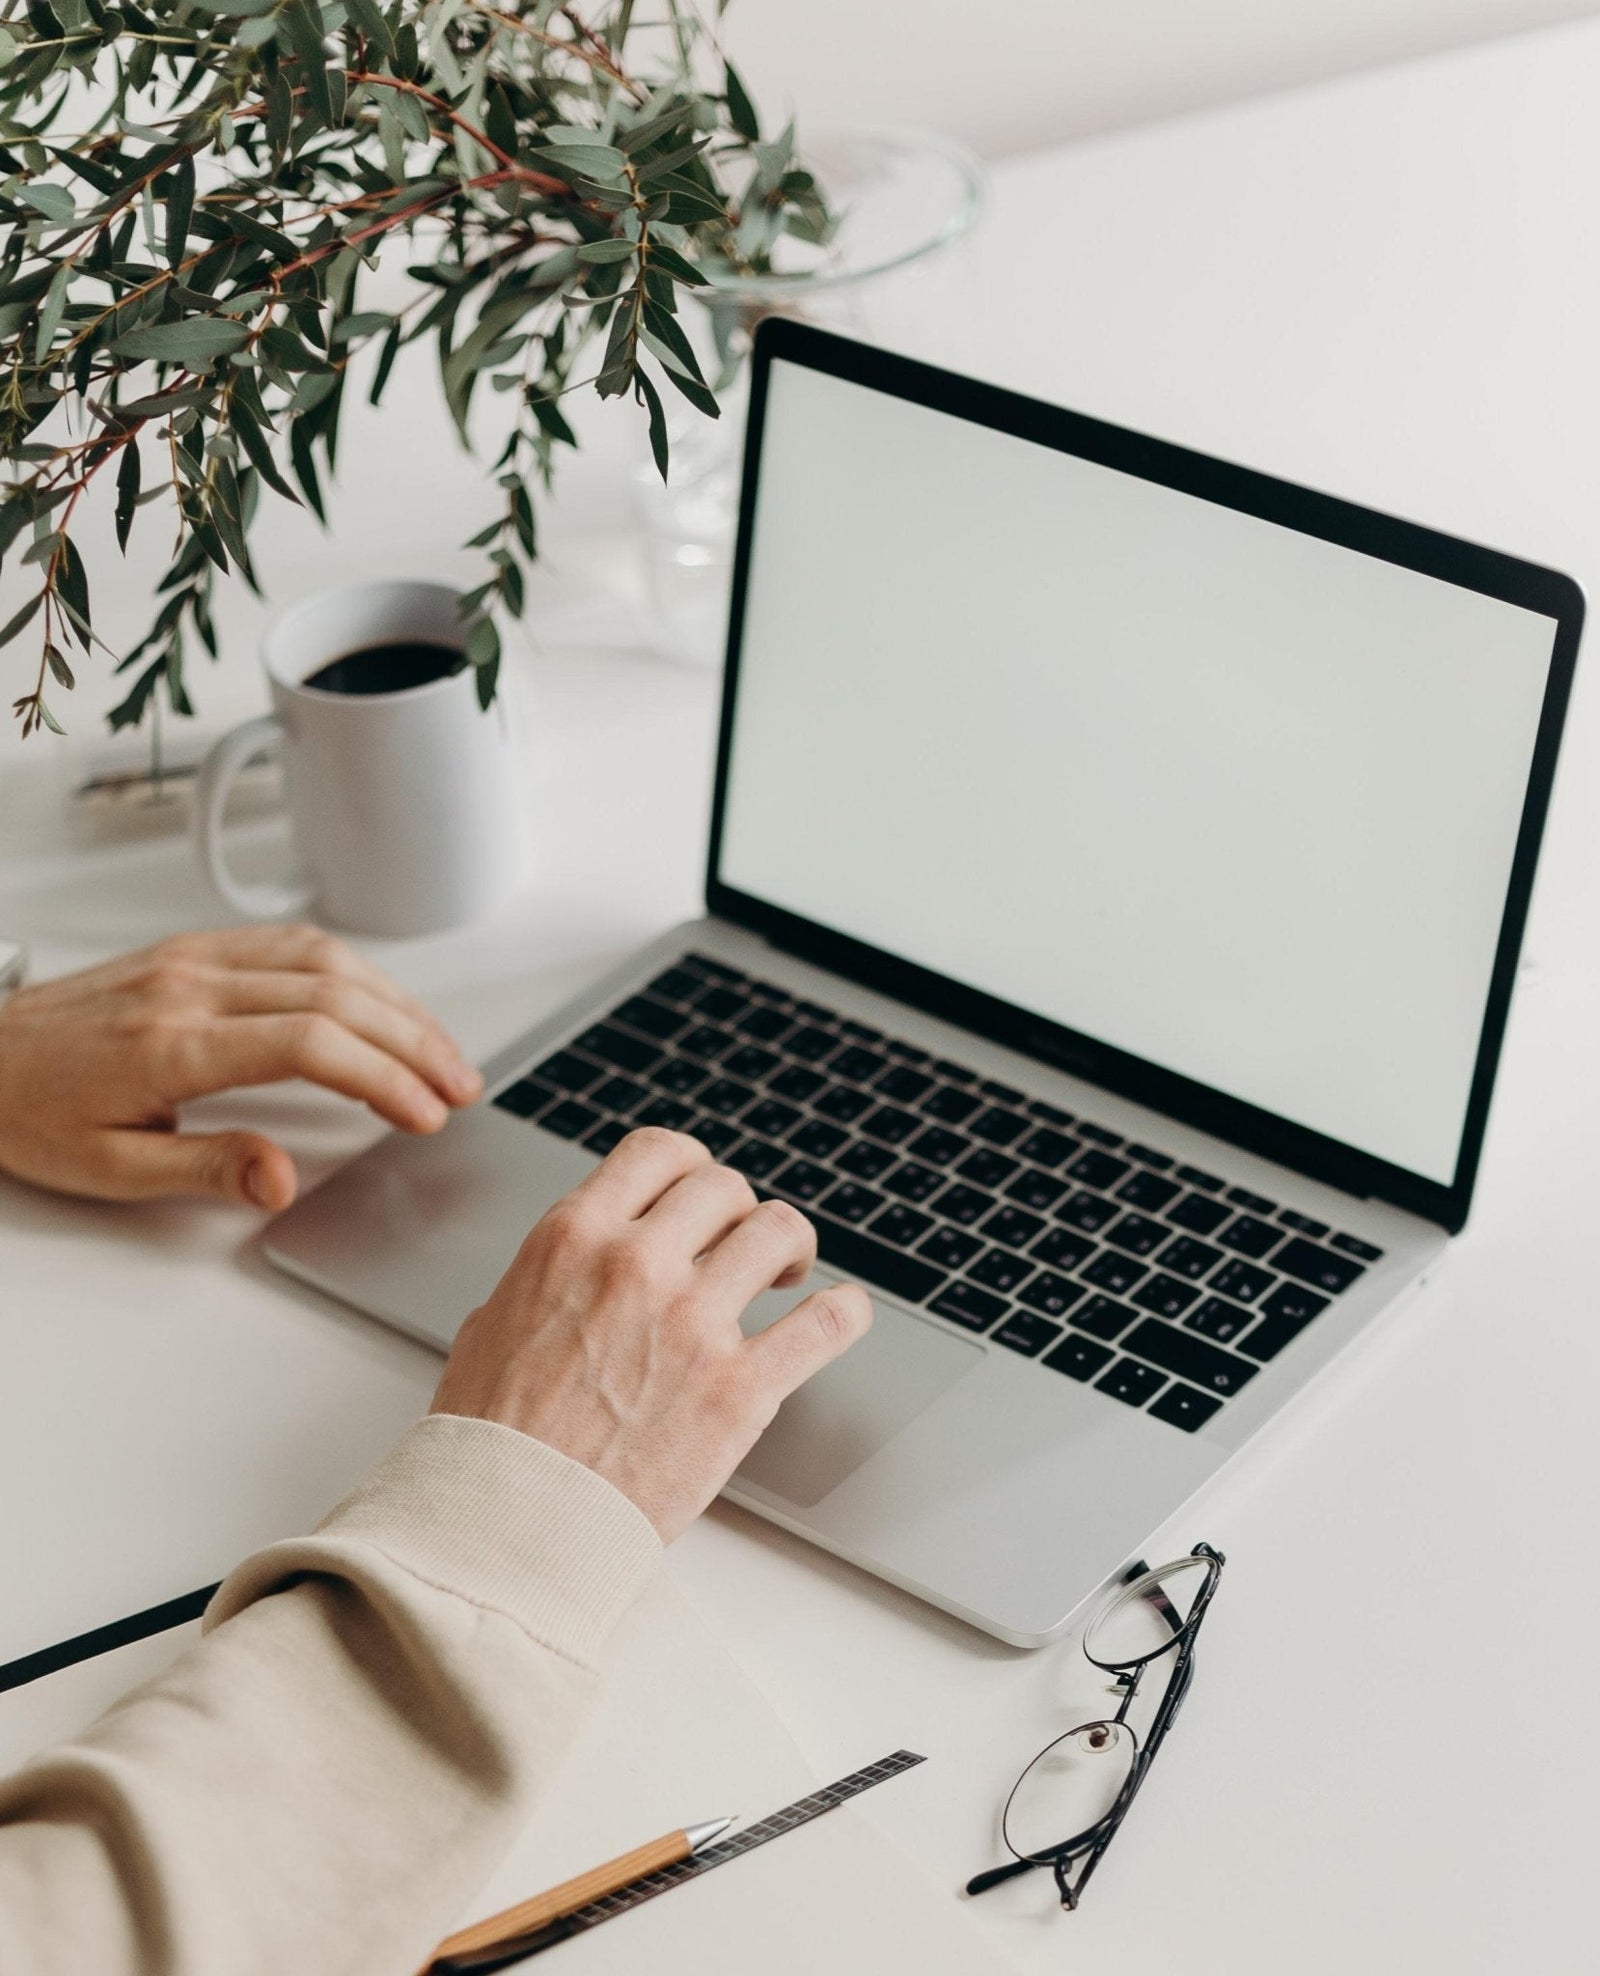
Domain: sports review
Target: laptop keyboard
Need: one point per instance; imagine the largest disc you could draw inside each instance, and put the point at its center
(1106, 1260)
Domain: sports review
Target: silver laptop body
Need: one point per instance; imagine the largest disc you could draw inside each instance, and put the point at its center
(1043, 742)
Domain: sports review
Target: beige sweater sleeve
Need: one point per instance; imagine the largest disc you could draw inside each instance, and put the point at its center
(322, 1782)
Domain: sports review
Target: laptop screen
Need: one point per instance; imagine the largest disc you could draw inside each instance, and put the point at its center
(1233, 799)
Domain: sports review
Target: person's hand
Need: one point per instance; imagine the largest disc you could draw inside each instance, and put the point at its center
(93, 1066)
(614, 1336)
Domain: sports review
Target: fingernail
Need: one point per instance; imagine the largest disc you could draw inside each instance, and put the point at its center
(466, 1082)
(432, 1113)
(255, 1184)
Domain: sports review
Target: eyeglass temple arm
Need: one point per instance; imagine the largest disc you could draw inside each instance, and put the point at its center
(980, 1883)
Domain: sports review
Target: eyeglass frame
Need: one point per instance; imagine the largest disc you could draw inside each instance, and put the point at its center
(1089, 1846)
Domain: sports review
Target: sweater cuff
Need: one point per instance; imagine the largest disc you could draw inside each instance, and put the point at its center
(498, 1518)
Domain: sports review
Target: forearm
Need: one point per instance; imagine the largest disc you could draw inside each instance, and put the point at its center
(325, 1779)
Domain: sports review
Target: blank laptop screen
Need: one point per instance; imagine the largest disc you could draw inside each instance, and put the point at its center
(1233, 799)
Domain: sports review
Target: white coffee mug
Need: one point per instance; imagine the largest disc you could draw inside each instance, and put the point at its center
(406, 806)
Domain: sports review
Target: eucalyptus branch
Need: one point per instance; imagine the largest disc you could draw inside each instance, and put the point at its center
(191, 274)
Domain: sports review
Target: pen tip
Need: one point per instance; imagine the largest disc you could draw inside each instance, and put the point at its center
(703, 1834)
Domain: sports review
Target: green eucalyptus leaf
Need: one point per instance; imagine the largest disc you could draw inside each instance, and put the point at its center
(741, 111)
(200, 340)
(54, 201)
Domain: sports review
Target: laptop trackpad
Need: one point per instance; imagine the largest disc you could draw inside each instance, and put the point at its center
(827, 1429)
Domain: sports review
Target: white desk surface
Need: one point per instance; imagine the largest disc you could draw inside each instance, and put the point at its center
(1387, 288)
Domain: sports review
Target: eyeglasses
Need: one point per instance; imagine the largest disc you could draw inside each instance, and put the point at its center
(1069, 1804)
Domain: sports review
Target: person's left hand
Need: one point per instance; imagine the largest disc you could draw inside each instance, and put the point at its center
(94, 1066)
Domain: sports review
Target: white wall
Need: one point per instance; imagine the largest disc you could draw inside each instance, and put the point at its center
(1015, 75)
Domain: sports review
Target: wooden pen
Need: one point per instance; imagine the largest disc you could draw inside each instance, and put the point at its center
(545, 1910)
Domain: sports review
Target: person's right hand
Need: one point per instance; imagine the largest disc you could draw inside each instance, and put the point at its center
(614, 1336)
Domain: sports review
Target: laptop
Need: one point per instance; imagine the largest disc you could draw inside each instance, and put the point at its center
(1118, 863)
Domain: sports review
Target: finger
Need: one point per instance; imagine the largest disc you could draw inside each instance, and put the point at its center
(222, 1166)
(301, 949)
(772, 1246)
(811, 1336)
(417, 1041)
(698, 1211)
(638, 1171)
(222, 1051)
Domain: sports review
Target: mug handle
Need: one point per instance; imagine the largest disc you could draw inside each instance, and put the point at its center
(217, 775)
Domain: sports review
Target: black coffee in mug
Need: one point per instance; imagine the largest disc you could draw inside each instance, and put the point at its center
(387, 668)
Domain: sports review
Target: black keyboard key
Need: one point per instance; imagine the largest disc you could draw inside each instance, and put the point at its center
(1248, 1235)
(677, 985)
(966, 1304)
(811, 1044)
(1196, 1176)
(948, 1247)
(914, 1183)
(525, 1097)
(718, 970)
(618, 1047)
(1189, 1357)
(796, 1084)
(1187, 1257)
(764, 1025)
(903, 1084)
(851, 1202)
(1099, 1134)
(678, 1076)
(908, 1052)
(938, 1144)
(890, 1124)
(1027, 1334)
(861, 1032)
(1103, 1317)
(813, 1013)
(950, 1105)
(1097, 1169)
(1217, 1319)
(1143, 1189)
(670, 1112)
(1113, 1272)
(841, 1102)
(1243, 1281)
(1054, 1295)
(1127, 1380)
(1047, 1148)
(725, 1097)
(756, 1158)
(1165, 1296)
(766, 991)
(998, 1125)
(706, 1044)
(858, 1066)
(902, 1226)
(802, 1180)
(865, 1160)
(654, 1018)
(1182, 1406)
(568, 1072)
(1034, 1189)
(1304, 1224)
(1354, 1246)
(1062, 1248)
(984, 1167)
(1006, 1093)
(715, 1134)
(751, 1063)
(1089, 1212)
(770, 1118)
(1012, 1226)
(1199, 1213)
(1162, 1162)
(1000, 1270)
(964, 1204)
(816, 1138)
(570, 1119)
(1242, 1197)
(1051, 1114)
(1078, 1358)
(720, 1004)
(1284, 1315)
(1138, 1234)
(618, 1094)
(957, 1073)
(856, 1254)
(608, 1133)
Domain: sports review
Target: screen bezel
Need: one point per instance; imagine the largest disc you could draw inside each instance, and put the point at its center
(1487, 571)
